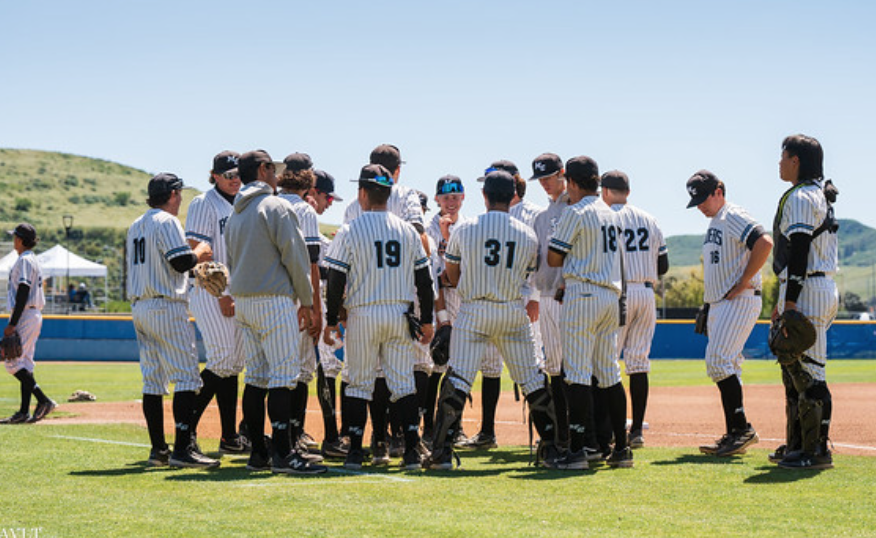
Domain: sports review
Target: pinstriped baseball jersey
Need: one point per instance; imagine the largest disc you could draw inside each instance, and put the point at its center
(384, 242)
(804, 211)
(434, 232)
(548, 279)
(26, 270)
(306, 219)
(205, 222)
(403, 202)
(154, 239)
(525, 212)
(589, 233)
(725, 251)
(498, 251)
(643, 243)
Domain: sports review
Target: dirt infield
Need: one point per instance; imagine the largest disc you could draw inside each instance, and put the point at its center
(677, 416)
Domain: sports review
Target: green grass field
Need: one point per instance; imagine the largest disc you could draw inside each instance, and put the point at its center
(91, 480)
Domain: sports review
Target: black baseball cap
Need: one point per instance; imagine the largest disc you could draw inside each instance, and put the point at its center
(25, 232)
(581, 167)
(251, 160)
(424, 201)
(700, 186)
(502, 164)
(164, 183)
(500, 182)
(387, 155)
(225, 161)
(326, 183)
(615, 179)
(377, 174)
(449, 184)
(297, 162)
(546, 164)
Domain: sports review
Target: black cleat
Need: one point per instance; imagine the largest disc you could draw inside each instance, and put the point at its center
(295, 464)
(192, 460)
(17, 418)
(159, 458)
(42, 409)
(258, 462)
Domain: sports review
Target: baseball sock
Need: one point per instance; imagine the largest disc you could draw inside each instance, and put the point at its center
(617, 410)
(638, 399)
(26, 384)
(280, 411)
(226, 399)
(558, 391)
(431, 401)
(326, 391)
(35, 389)
(827, 403)
(601, 418)
(491, 388)
(357, 414)
(344, 424)
(421, 381)
(395, 418)
(298, 409)
(731, 399)
(153, 412)
(579, 399)
(410, 418)
(254, 415)
(183, 415)
(379, 403)
(208, 390)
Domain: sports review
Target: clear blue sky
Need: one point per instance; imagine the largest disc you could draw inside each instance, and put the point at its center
(657, 89)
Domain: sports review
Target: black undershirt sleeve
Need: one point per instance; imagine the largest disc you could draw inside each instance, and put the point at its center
(183, 263)
(336, 281)
(419, 227)
(662, 264)
(313, 250)
(20, 302)
(799, 257)
(755, 234)
(423, 279)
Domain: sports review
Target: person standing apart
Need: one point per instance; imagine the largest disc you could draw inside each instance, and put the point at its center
(25, 300)
(806, 259)
(734, 250)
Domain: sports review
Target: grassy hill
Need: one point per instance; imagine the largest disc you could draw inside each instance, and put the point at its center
(41, 187)
(856, 248)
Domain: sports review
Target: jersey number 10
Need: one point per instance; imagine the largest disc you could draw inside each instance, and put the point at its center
(139, 251)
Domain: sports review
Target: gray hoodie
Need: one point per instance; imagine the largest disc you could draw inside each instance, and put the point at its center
(266, 251)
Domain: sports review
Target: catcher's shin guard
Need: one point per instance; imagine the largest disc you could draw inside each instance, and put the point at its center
(450, 404)
(543, 413)
(811, 413)
(793, 438)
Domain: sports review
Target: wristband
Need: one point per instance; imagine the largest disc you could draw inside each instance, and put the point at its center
(443, 316)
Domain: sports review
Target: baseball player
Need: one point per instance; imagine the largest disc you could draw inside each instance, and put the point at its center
(295, 182)
(734, 250)
(270, 271)
(322, 196)
(158, 260)
(805, 259)
(645, 260)
(380, 260)
(489, 259)
(403, 202)
(25, 299)
(205, 223)
(587, 245)
(548, 170)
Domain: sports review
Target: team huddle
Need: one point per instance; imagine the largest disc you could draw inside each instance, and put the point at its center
(558, 295)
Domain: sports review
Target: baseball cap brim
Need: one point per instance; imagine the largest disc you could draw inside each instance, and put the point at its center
(545, 174)
(698, 199)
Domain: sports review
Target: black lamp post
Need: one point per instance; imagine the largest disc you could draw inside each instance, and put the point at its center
(68, 225)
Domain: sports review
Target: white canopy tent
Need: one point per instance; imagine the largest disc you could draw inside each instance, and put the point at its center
(59, 262)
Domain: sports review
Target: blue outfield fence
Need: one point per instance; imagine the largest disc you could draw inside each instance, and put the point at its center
(112, 338)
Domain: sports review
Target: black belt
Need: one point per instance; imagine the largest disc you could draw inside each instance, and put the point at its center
(757, 293)
(815, 274)
(649, 285)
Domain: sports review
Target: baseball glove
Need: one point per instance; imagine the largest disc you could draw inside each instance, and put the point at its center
(11, 346)
(701, 324)
(790, 335)
(212, 276)
(414, 325)
(440, 346)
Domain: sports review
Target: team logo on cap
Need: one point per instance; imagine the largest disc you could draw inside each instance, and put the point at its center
(692, 191)
(540, 166)
(231, 159)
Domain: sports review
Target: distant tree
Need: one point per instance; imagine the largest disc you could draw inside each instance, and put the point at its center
(684, 292)
(853, 303)
(122, 198)
(23, 204)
